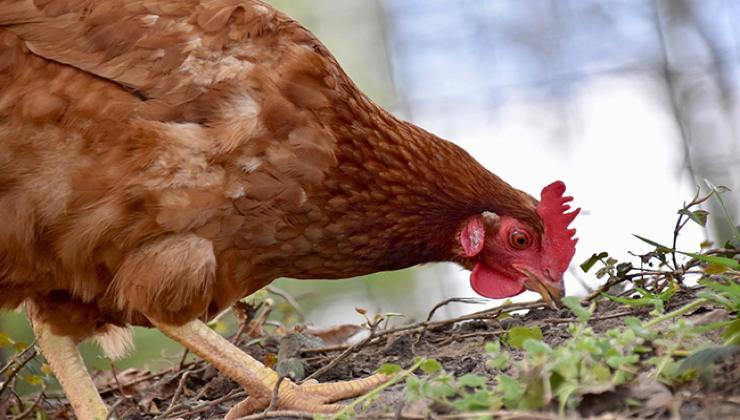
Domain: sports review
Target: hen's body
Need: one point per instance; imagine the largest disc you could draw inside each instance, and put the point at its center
(168, 158)
(161, 159)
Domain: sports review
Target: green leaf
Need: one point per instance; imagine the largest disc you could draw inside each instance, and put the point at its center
(493, 347)
(413, 387)
(430, 366)
(534, 397)
(499, 361)
(660, 247)
(704, 360)
(713, 259)
(636, 326)
(512, 390)
(5, 340)
(697, 216)
(619, 361)
(46, 370)
(601, 373)
(563, 394)
(19, 346)
(477, 401)
(516, 336)
(593, 259)
(574, 304)
(718, 190)
(496, 358)
(257, 297)
(34, 379)
(536, 348)
(624, 268)
(442, 391)
(389, 369)
(727, 295)
(731, 334)
(647, 298)
(471, 380)
(715, 269)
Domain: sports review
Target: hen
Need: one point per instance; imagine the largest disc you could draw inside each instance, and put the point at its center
(160, 160)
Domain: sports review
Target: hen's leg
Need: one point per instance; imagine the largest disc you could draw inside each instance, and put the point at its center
(259, 380)
(67, 365)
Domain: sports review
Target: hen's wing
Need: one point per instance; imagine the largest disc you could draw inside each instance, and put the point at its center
(173, 124)
(171, 50)
(200, 102)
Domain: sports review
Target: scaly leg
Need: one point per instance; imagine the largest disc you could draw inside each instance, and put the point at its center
(67, 365)
(259, 380)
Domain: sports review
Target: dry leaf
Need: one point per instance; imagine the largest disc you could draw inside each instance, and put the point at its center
(334, 336)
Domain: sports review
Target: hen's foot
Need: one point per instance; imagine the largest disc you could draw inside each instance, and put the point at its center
(311, 397)
(258, 380)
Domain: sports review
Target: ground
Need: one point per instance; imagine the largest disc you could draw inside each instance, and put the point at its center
(196, 391)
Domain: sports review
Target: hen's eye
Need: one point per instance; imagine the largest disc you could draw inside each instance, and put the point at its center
(519, 239)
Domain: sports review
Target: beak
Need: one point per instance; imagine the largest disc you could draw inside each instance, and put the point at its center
(551, 292)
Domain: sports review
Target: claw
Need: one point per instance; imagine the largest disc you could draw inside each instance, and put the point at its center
(258, 380)
(311, 397)
(342, 390)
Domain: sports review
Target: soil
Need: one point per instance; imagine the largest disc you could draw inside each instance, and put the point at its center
(458, 345)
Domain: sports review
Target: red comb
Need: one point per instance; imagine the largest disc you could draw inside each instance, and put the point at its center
(558, 244)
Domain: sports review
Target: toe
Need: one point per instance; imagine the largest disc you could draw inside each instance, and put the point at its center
(245, 408)
(295, 399)
(335, 391)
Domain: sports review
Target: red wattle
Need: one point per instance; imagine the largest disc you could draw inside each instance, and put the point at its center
(491, 284)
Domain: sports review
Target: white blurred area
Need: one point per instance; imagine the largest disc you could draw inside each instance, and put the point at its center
(630, 103)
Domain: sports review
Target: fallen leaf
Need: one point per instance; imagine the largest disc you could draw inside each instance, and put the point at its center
(655, 395)
(334, 336)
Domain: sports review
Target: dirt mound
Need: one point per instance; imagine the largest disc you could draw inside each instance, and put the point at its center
(198, 391)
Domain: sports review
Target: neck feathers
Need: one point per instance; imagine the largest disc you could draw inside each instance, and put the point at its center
(407, 192)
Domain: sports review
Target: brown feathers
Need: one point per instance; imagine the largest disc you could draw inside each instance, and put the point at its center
(161, 159)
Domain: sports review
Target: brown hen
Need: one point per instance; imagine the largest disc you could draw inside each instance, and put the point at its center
(160, 160)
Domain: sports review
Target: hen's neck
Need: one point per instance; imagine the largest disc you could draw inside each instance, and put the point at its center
(400, 194)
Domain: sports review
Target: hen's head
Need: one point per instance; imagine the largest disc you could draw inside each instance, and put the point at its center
(509, 256)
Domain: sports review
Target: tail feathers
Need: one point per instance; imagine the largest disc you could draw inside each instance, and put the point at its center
(116, 342)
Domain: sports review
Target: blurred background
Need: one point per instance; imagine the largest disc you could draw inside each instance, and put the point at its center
(633, 103)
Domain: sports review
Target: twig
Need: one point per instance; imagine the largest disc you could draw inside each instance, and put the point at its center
(18, 400)
(676, 231)
(350, 408)
(18, 356)
(468, 335)
(235, 394)
(474, 301)
(279, 414)
(275, 392)
(288, 298)
(112, 410)
(339, 358)
(613, 281)
(250, 326)
(678, 312)
(490, 313)
(146, 377)
(176, 395)
(434, 309)
(17, 368)
(492, 414)
(592, 318)
(114, 372)
(33, 406)
(181, 365)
